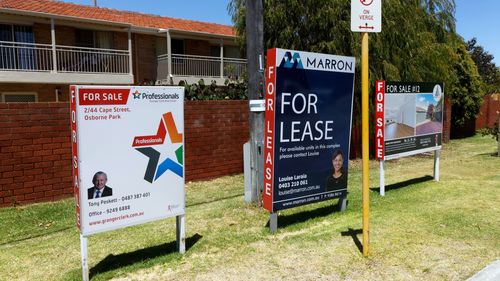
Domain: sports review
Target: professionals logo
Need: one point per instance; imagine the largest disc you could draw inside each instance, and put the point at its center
(136, 94)
(144, 144)
(291, 61)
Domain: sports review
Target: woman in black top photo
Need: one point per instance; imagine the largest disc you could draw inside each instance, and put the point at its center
(338, 177)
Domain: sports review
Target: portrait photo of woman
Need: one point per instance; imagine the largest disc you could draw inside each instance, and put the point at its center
(338, 177)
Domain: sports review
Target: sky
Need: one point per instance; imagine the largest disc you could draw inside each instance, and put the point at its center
(475, 18)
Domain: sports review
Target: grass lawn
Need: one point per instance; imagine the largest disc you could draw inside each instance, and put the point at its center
(421, 230)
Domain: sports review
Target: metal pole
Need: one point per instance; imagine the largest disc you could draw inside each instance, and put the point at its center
(169, 55)
(84, 256)
(221, 58)
(53, 39)
(273, 222)
(365, 148)
(255, 47)
(130, 51)
(436, 164)
(180, 222)
(382, 178)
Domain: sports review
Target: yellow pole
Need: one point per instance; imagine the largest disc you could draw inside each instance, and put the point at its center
(365, 151)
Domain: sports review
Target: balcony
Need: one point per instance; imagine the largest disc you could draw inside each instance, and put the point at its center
(45, 63)
(193, 68)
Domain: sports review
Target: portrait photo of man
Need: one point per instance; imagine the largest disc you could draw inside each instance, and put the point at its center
(100, 189)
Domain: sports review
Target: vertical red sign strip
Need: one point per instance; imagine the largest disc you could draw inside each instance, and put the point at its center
(74, 147)
(267, 194)
(379, 119)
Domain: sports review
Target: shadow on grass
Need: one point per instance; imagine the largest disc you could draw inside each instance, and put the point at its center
(404, 183)
(215, 200)
(112, 262)
(353, 233)
(284, 221)
(36, 236)
(494, 154)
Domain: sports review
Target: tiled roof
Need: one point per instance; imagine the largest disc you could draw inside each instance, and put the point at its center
(112, 15)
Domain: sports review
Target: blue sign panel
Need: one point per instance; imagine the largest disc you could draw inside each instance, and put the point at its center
(309, 100)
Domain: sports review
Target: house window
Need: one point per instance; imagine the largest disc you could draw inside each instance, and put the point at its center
(93, 39)
(13, 55)
(177, 46)
(19, 97)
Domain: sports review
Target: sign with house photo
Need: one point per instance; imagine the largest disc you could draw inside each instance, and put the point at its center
(409, 118)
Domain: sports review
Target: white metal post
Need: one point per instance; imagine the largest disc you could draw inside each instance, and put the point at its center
(221, 58)
(382, 178)
(273, 222)
(180, 222)
(85, 264)
(130, 64)
(53, 41)
(436, 164)
(169, 53)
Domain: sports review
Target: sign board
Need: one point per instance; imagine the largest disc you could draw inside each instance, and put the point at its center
(409, 118)
(366, 15)
(309, 99)
(128, 160)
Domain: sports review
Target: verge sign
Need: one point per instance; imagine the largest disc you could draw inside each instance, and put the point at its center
(128, 160)
(307, 127)
(366, 15)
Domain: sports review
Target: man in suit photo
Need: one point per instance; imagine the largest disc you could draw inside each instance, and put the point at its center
(100, 189)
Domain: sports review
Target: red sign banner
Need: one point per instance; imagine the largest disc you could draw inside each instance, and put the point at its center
(379, 119)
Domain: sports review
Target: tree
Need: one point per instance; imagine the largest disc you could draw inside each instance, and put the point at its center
(490, 74)
(466, 92)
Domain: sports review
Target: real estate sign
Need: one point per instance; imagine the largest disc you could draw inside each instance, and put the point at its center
(128, 160)
(409, 118)
(308, 104)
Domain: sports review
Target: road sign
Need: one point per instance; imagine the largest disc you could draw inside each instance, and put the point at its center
(366, 15)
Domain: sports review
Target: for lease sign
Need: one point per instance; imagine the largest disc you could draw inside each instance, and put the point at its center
(128, 159)
(307, 127)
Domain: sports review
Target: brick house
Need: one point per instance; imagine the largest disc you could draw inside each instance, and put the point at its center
(47, 45)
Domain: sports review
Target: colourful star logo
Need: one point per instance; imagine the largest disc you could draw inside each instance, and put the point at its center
(154, 168)
(136, 94)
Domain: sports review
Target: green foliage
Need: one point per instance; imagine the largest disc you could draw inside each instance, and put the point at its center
(466, 92)
(490, 74)
(490, 131)
(232, 90)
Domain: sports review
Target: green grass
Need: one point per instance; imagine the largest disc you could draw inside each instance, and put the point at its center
(421, 230)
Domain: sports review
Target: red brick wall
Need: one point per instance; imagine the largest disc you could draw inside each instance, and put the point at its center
(35, 151)
(35, 161)
(488, 115)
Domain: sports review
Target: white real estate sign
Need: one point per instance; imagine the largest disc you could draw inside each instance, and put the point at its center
(128, 160)
(366, 15)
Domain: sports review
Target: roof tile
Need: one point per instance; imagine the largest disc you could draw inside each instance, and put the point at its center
(133, 18)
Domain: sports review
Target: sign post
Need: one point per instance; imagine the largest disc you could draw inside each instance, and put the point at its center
(307, 129)
(366, 16)
(128, 158)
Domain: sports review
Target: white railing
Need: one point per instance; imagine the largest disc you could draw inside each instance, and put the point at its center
(91, 60)
(200, 66)
(16, 56)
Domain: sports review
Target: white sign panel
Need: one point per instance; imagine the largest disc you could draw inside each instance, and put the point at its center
(128, 159)
(366, 15)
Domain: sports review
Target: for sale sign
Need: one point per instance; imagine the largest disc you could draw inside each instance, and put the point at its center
(409, 118)
(307, 127)
(128, 159)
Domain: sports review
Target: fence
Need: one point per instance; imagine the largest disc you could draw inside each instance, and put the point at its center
(15, 56)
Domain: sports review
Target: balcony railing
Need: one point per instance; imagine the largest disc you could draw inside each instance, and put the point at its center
(15, 56)
(200, 66)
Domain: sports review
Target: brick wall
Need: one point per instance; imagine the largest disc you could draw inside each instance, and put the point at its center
(488, 115)
(46, 92)
(35, 151)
